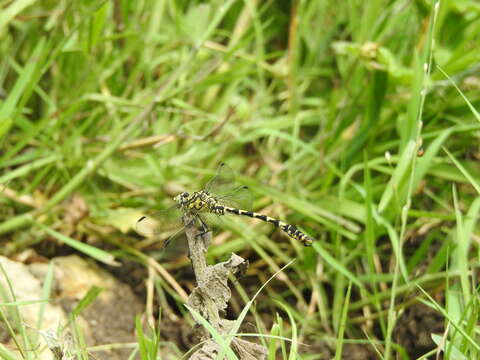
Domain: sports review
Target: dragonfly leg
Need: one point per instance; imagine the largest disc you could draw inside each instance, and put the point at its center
(165, 243)
(204, 228)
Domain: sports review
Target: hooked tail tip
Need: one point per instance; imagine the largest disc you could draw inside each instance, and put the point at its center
(308, 241)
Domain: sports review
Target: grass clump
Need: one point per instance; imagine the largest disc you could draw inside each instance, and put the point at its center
(356, 120)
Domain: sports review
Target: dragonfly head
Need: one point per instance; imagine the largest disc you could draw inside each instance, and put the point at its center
(182, 199)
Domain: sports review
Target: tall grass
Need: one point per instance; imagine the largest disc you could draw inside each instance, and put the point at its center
(355, 120)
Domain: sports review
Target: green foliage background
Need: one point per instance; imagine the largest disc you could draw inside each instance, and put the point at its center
(353, 119)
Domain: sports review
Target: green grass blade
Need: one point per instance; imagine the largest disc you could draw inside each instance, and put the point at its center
(219, 339)
(470, 106)
(335, 264)
(88, 250)
(458, 327)
(294, 333)
(28, 77)
(460, 253)
(343, 324)
(86, 300)
(399, 174)
(7, 354)
(464, 171)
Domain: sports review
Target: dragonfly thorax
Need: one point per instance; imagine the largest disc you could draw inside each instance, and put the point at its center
(197, 201)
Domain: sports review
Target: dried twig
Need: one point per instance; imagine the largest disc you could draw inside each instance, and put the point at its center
(210, 297)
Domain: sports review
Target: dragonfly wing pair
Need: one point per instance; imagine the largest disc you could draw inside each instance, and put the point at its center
(220, 196)
(167, 224)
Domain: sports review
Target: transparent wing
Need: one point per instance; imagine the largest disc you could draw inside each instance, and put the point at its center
(212, 221)
(159, 222)
(240, 198)
(165, 225)
(223, 182)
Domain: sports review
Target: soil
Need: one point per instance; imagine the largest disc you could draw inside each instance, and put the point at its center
(412, 331)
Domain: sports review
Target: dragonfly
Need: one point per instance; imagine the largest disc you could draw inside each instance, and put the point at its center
(219, 197)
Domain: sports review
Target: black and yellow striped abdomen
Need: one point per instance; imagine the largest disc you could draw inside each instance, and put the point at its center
(290, 230)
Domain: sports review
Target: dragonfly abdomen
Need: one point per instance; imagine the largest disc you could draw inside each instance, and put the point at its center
(296, 234)
(290, 230)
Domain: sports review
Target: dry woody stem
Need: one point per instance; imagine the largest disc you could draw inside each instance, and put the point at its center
(210, 297)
